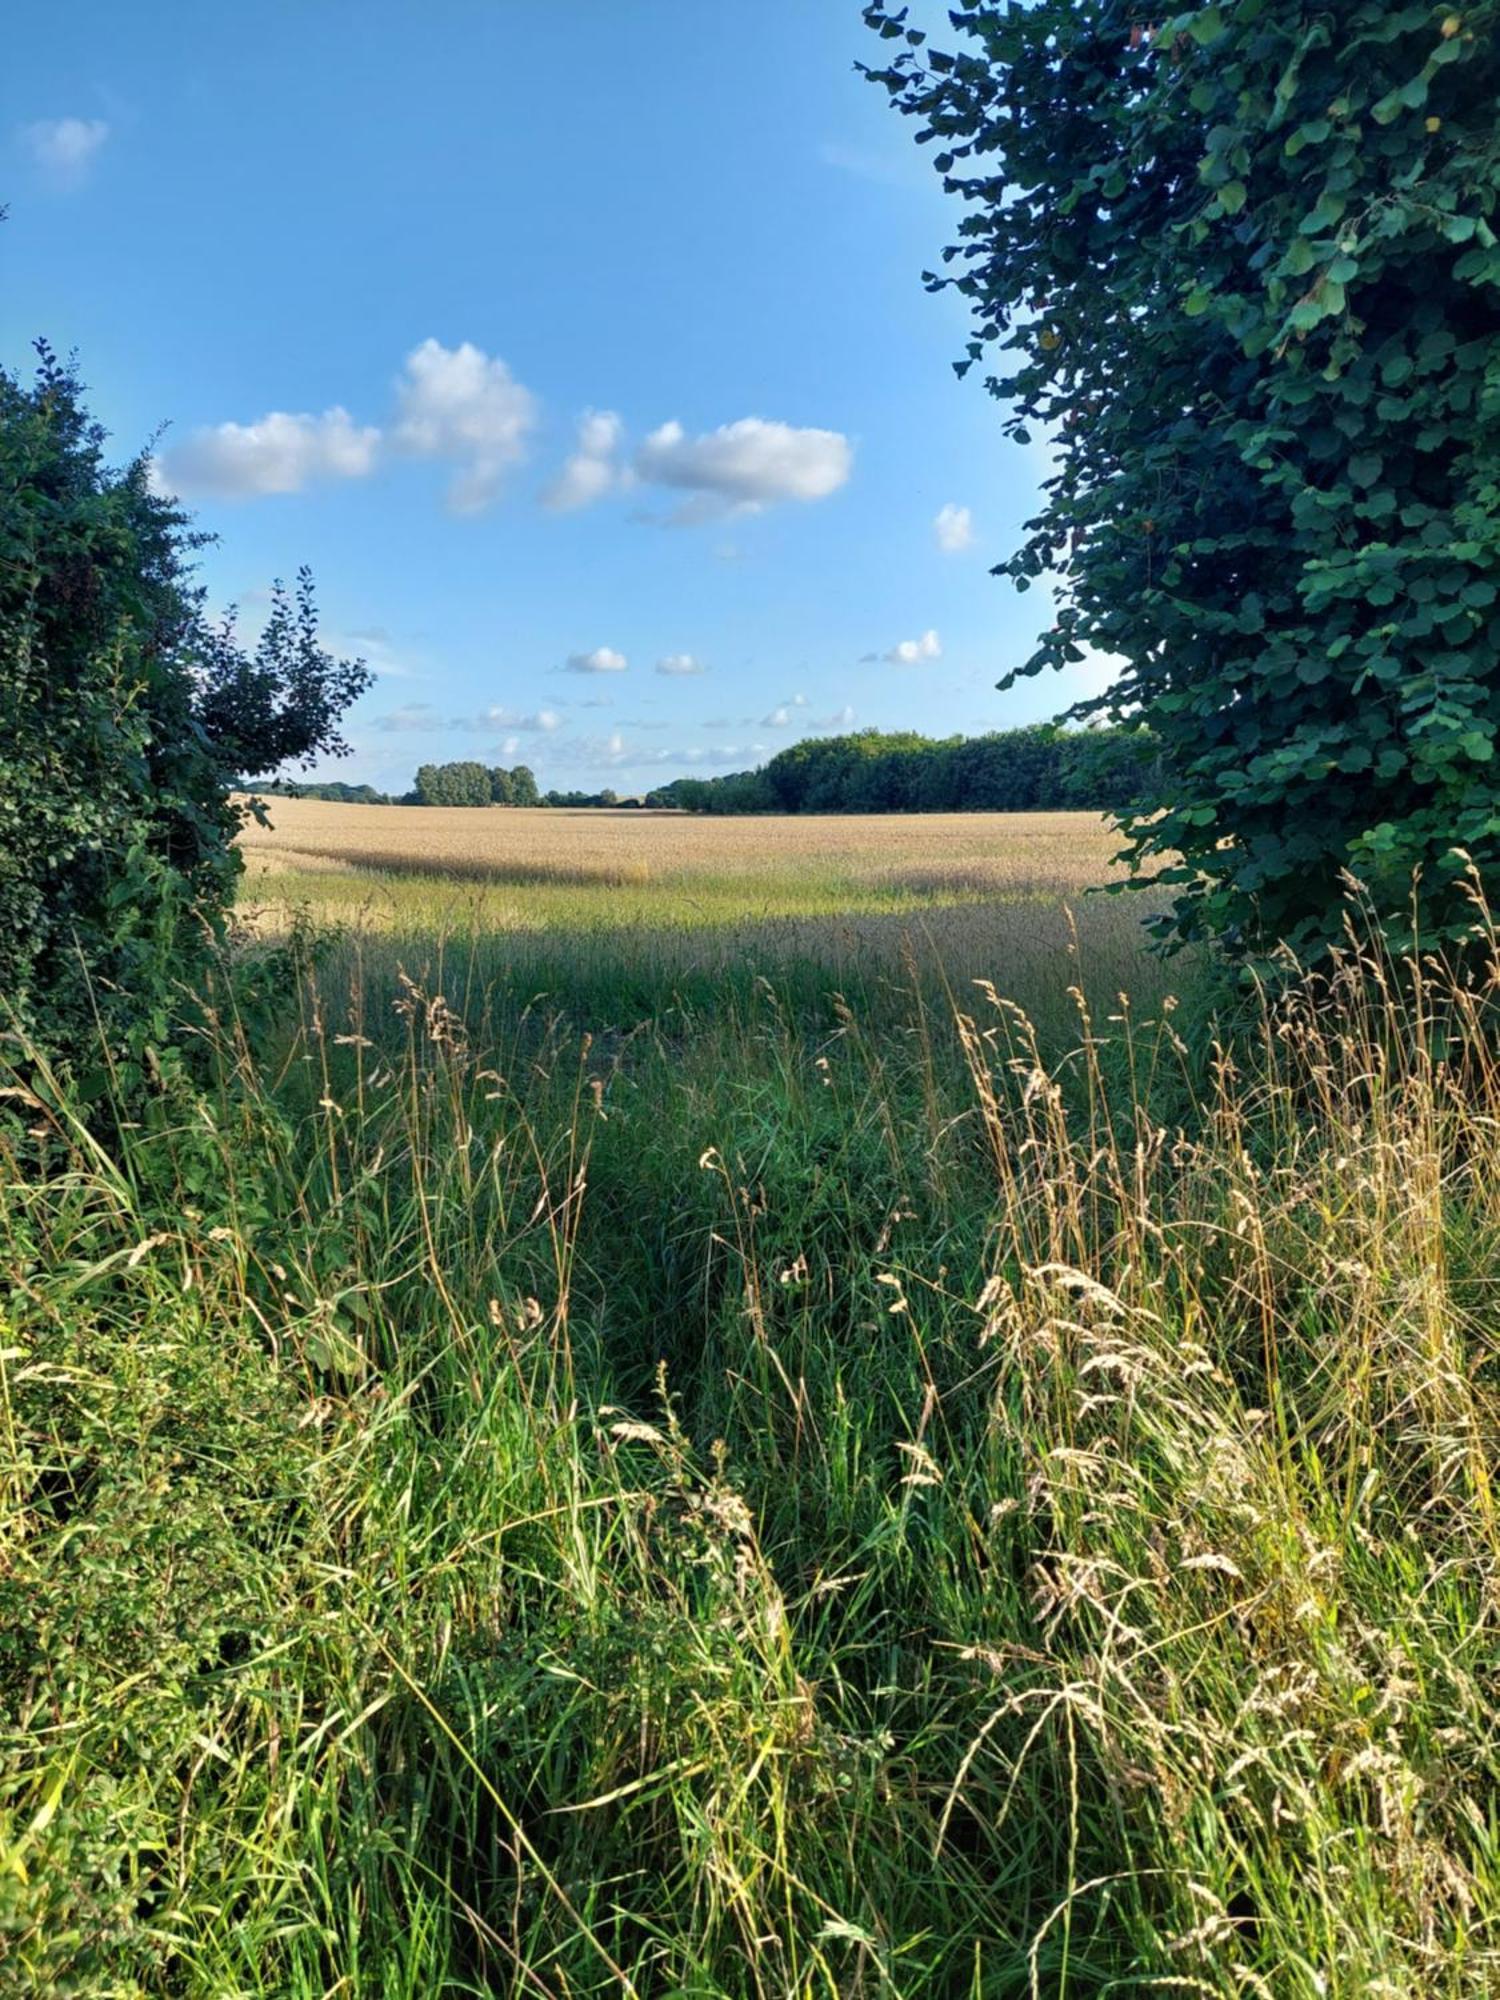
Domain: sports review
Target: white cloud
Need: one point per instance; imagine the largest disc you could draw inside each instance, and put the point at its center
(543, 721)
(954, 529)
(459, 403)
(593, 468)
(778, 718)
(414, 716)
(680, 663)
(64, 148)
(800, 701)
(745, 465)
(603, 660)
(279, 453)
(840, 719)
(907, 652)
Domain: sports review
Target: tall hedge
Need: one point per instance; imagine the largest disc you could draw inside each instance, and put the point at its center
(125, 722)
(1239, 264)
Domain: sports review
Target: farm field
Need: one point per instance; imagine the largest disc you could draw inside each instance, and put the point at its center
(775, 1396)
(664, 896)
(785, 1421)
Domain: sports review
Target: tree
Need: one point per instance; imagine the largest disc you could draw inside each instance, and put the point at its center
(1243, 265)
(125, 724)
(502, 787)
(463, 783)
(1038, 768)
(523, 787)
(282, 702)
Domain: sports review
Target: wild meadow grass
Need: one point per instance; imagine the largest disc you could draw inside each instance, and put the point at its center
(646, 1463)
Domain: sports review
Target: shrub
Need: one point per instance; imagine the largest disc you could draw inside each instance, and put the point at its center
(1242, 264)
(125, 722)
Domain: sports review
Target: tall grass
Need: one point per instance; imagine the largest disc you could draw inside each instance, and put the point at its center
(723, 1486)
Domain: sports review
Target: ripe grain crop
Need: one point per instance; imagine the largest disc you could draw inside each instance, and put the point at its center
(842, 898)
(1062, 851)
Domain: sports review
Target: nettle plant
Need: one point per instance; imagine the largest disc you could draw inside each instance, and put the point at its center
(1240, 264)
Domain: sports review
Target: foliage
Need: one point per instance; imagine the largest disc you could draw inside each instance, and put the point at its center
(805, 1497)
(333, 790)
(463, 783)
(124, 723)
(466, 783)
(282, 702)
(1240, 265)
(607, 797)
(1038, 769)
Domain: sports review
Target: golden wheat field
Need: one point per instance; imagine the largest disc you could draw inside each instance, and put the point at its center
(993, 895)
(1059, 852)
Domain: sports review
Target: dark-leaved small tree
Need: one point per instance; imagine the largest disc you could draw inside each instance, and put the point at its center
(1240, 262)
(126, 723)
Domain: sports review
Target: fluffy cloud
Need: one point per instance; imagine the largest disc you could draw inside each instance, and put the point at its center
(954, 528)
(456, 403)
(65, 148)
(840, 719)
(746, 465)
(778, 718)
(603, 660)
(680, 663)
(593, 468)
(909, 652)
(461, 404)
(407, 720)
(280, 453)
(542, 722)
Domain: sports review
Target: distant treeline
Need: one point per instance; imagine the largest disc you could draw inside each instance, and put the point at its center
(341, 794)
(1040, 769)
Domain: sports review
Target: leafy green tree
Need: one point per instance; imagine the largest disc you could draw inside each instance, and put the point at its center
(462, 783)
(523, 787)
(1038, 768)
(1241, 263)
(126, 722)
(274, 706)
(1108, 770)
(502, 787)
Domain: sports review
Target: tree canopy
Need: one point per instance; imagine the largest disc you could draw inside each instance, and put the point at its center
(1239, 265)
(1037, 769)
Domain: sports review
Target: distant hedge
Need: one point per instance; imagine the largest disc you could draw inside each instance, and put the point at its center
(1039, 769)
(332, 789)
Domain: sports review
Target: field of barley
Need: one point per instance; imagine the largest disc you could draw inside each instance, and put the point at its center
(758, 1408)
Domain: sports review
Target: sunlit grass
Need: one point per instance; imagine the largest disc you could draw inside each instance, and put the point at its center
(669, 1457)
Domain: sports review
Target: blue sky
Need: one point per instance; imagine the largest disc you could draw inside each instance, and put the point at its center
(581, 350)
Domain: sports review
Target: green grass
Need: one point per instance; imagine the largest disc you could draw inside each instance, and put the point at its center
(703, 1462)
